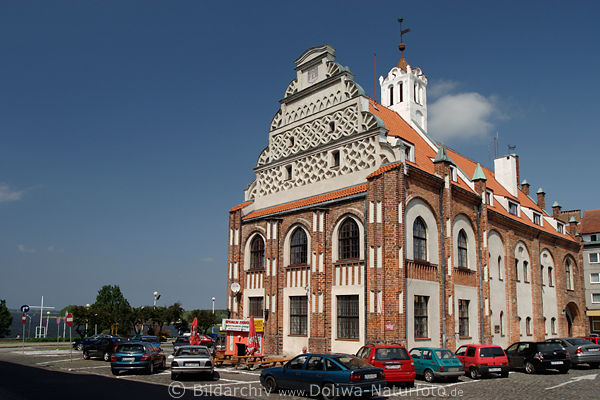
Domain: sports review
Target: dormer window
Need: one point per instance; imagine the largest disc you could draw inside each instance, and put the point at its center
(513, 208)
(489, 197)
(537, 219)
(409, 152)
(594, 238)
(453, 174)
(560, 228)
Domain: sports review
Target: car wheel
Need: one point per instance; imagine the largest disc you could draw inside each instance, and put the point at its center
(529, 368)
(150, 368)
(504, 374)
(594, 365)
(473, 373)
(86, 355)
(329, 392)
(270, 385)
(114, 371)
(106, 356)
(163, 366)
(428, 375)
(79, 347)
(564, 370)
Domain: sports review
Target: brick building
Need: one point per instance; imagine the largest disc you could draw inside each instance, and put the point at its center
(361, 227)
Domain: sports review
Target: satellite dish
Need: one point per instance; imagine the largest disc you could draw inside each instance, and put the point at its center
(235, 287)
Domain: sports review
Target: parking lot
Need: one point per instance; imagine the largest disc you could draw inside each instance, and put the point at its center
(580, 382)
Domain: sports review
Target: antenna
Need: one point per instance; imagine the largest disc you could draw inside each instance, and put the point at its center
(374, 85)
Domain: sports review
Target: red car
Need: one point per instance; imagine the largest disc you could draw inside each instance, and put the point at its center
(483, 359)
(397, 364)
(593, 339)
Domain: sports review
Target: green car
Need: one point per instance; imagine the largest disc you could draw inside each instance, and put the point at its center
(432, 363)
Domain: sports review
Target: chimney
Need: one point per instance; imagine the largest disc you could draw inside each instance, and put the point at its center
(505, 170)
(556, 210)
(573, 226)
(541, 202)
(517, 164)
(525, 187)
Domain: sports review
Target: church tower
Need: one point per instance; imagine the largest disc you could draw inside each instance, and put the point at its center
(404, 90)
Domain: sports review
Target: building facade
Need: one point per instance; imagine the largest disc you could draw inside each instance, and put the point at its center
(360, 227)
(590, 235)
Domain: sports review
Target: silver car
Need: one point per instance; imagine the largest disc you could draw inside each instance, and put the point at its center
(191, 360)
(582, 351)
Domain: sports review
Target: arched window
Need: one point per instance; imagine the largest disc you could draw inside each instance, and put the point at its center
(462, 249)
(553, 325)
(298, 247)
(419, 239)
(349, 239)
(569, 275)
(525, 271)
(500, 268)
(542, 275)
(257, 252)
(550, 280)
(545, 327)
(528, 325)
(501, 323)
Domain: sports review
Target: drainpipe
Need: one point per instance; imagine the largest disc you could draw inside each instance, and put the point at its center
(365, 255)
(443, 265)
(479, 267)
(541, 277)
(404, 260)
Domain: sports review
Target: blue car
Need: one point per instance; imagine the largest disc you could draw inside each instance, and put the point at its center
(327, 375)
(432, 363)
(137, 356)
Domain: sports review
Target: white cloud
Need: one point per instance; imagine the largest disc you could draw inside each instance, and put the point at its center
(24, 249)
(208, 259)
(7, 194)
(441, 88)
(462, 115)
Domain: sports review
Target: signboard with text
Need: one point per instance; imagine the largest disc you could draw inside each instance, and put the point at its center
(241, 325)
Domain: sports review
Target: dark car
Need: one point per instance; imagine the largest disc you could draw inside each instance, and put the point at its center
(137, 356)
(102, 348)
(582, 351)
(146, 338)
(181, 341)
(538, 356)
(326, 375)
(79, 343)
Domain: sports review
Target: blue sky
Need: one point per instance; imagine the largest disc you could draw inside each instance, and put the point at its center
(128, 129)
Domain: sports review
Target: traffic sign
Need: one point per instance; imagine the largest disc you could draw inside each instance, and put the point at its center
(24, 308)
(23, 318)
(57, 320)
(69, 319)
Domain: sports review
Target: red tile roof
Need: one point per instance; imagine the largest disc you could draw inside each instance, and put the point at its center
(240, 206)
(338, 194)
(383, 169)
(591, 221)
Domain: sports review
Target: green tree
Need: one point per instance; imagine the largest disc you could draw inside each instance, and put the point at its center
(5, 319)
(111, 308)
(206, 319)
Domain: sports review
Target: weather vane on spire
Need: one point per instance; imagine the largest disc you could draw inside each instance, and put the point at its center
(403, 32)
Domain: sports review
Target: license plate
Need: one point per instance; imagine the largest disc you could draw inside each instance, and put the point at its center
(593, 349)
(191, 364)
(128, 358)
(495, 369)
(370, 376)
(453, 369)
(393, 366)
(556, 362)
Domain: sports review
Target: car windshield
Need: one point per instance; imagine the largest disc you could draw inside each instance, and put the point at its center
(130, 348)
(579, 341)
(549, 347)
(352, 362)
(192, 352)
(392, 353)
(444, 354)
(491, 352)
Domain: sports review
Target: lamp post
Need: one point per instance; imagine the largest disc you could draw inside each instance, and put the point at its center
(47, 318)
(87, 318)
(213, 305)
(95, 324)
(156, 297)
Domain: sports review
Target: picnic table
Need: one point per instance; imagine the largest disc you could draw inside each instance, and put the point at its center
(250, 361)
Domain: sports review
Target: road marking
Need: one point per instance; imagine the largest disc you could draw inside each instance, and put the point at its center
(590, 377)
(97, 366)
(52, 362)
(44, 353)
(234, 371)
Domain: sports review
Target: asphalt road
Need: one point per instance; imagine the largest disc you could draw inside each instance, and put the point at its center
(43, 373)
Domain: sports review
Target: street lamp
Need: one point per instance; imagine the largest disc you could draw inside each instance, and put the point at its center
(87, 308)
(213, 304)
(156, 297)
(95, 324)
(47, 318)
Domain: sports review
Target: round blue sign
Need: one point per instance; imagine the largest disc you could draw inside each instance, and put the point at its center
(24, 308)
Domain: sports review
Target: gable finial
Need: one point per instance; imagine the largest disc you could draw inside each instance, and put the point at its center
(403, 32)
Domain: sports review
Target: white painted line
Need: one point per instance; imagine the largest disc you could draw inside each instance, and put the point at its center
(79, 368)
(44, 353)
(52, 362)
(235, 371)
(590, 377)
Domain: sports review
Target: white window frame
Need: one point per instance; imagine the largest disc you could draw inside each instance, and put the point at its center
(597, 258)
(592, 277)
(597, 294)
(517, 207)
(538, 217)
(560, 227)
(490, 194)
